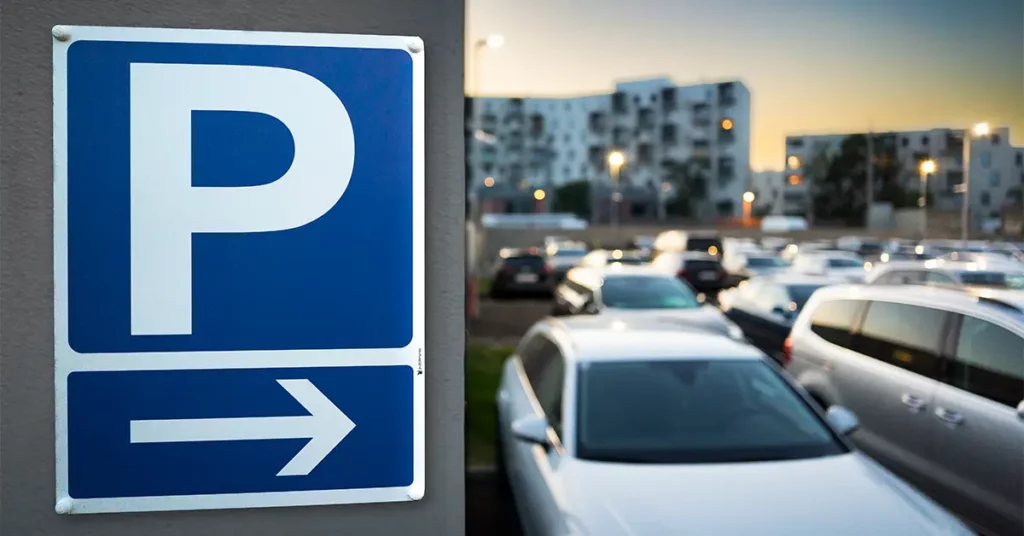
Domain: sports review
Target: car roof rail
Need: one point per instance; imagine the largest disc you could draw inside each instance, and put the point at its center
(1001, 304)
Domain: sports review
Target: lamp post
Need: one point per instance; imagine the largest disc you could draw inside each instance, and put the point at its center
(748, 203)
(981, 130)
(927, 168)
(616, 159)
(538, 196)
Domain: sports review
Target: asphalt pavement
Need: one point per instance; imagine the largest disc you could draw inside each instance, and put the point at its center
(487, 513)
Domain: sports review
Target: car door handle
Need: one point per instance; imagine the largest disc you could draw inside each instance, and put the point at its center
(949, 417)
(915, 404)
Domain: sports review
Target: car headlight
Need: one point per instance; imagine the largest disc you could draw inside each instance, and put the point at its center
(735, 332)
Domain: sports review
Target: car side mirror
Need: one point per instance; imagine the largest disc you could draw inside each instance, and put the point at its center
(842, 420)
(783, 312)
(532, 429)
(591, 308)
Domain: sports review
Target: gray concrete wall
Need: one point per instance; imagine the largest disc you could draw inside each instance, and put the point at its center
(26, 263)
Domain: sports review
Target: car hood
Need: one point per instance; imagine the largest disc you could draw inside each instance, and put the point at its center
(836, 495)
(705, 318)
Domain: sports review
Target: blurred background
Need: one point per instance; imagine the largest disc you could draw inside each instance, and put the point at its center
(754, 152)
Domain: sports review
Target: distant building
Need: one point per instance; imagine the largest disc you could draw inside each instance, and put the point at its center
(768, 187)
(996, 168)
(529, 143)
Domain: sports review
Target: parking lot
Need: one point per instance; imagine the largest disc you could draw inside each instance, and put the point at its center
(903, 290)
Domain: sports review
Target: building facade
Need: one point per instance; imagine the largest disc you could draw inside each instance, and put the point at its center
(541, 143)
(996, 168)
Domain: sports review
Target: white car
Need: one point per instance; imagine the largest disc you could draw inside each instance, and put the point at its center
(611, 430)
(849, 266)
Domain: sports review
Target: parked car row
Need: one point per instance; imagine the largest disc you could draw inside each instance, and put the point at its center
(890, 390)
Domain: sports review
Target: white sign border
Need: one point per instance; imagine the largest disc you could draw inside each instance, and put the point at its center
(66, 360)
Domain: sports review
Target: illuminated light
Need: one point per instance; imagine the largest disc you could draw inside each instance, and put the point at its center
(619, 325)
(884, 257)
(919, 250)
(617, 254)
(792, 248)
(495, 41)
(713, 250)
(793, 162)
(666, 187)
(616, 159)
(539, 195)
(972, 267)
(727, 124)
(748, 197)
(867, 265)
(792, 306)
(742, 284)
(928, 167)
(931, 263)
(981, 130)
(793, 180)
(524, 184)
(489, 182)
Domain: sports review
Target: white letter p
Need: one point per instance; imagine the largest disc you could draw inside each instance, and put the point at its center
(166, 210)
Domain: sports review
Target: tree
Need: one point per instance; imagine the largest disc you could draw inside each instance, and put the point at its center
(689, 181)
(838, 189)
(574, 197)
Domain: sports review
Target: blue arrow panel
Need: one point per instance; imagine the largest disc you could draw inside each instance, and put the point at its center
(343, 281)
(102, 462)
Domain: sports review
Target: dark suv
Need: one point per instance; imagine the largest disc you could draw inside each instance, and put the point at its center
(521, 273)
(702, 271)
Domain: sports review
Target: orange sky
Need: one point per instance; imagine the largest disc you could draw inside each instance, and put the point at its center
(811, 65)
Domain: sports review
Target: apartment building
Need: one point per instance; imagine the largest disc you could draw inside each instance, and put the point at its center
(542, 143)
(996, 168)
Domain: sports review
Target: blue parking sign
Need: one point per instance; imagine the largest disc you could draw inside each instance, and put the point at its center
(238, 256)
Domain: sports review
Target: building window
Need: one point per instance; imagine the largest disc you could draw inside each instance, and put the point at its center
(905, 141)
(795, 142)
(668, 134)
(953, 178)
(726, 94)
(985, 198)
(646, 119)
(793, 162)
(986, 159)
(724, 208)
(566, 172)
(924, 141)
(996, 139)
(994, 179)
(726, 168)
(620, 136)
(645, 153)
(1019, 159)
(701, 144)
(668, 99)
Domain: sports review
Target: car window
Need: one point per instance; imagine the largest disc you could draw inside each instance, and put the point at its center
(832, 320)
(647, 292)
(799, 294)
(548, 390)
(532, 261)
(939, 278)
(984, 279)
(844, 263)
(906, 336)
(536, 355)
(694, 411)
(570, 252)
(989, 362)
(765, 262)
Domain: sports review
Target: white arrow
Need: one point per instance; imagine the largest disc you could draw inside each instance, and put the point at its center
(325, 425)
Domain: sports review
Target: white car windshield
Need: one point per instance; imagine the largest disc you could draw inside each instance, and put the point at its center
(695, 411)
(844, 263)
(647, 292)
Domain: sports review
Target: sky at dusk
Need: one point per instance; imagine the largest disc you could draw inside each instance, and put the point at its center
(812, 66)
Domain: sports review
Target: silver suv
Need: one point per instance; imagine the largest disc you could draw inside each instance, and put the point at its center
(936, 377)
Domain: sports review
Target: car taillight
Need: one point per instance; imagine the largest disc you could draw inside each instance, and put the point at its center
(681, 273)
(787, 351)
(546, 268)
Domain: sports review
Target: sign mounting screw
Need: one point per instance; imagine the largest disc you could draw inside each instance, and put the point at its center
(61, 33)
(415, 45)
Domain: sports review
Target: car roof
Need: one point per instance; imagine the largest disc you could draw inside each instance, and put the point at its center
(923, 295)
(608, 337)
(613, 270)
(801, 279)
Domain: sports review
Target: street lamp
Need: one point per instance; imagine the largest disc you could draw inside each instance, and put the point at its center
(981, 130)
(491, 41)
(616, 159)
(748, 203)
(539, 194)
(927, 168)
